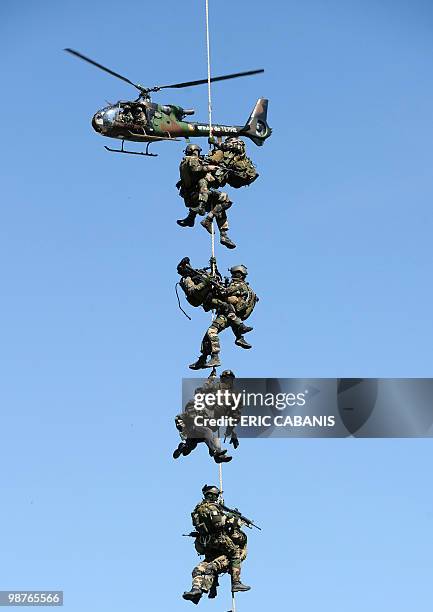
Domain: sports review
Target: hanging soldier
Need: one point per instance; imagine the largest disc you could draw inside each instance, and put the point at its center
(233, 302)
(220, 538)
(196, 175)
(196, 423)
(234, 167)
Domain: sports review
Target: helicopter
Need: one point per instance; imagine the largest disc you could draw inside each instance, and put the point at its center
(142, 120)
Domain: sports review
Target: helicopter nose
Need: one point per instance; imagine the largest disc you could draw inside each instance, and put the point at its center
(97, 122)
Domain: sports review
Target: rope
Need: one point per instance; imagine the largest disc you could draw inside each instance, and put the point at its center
(209, 95)
(213, 260)
(209, 106)
(220, 472)
(179, 304)
(233, 603)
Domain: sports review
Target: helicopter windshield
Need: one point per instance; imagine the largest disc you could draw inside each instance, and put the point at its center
(110, 116)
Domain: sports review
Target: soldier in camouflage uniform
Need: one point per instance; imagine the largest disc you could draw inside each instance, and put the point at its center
(193, 434)
(202, 289)
(235, 168)
(195, 177)
(220, 539)
(233, 306)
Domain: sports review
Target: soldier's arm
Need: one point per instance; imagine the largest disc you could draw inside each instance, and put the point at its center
(197, 166)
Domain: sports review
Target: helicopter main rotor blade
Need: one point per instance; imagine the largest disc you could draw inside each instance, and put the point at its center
(213, 79)
(104, 68)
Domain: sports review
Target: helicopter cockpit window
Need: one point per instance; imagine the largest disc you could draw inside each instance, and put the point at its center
(110, 116)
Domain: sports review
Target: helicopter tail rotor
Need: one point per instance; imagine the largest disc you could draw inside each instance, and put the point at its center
(257, 128)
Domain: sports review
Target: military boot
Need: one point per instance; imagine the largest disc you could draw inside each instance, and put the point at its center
(179, 450)
(237, 586)
(243, 343)
(207, 224)
(188, 221)
(225, 240)
(214, 361)
(242, 328)
(221, 457)
(199, 364)
(187, 449)
(193, 595)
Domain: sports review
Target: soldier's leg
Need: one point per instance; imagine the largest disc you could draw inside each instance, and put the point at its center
(221, 565)
(203, 191)
(239, 328)
(236, 323)
(218, 325)
(214, 445)
(190, 445)
(198, 574)
(218, 203)
(195, 206)
(219, 210)
(210, 345)
(233, 553)
(205, 351)
(186, 447)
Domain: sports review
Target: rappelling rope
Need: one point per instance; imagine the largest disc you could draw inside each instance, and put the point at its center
(209, 106)
(213, 260)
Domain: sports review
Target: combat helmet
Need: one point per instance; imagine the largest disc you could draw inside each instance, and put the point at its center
(227, 374)
(234, 143)
(191, 148)
(239, 271)
(211, 492)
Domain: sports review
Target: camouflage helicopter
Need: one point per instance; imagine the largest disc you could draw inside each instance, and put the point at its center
(142, 120)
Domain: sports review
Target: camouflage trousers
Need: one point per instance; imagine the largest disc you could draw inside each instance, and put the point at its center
(211, 342)
(203, 434)
(206, 572)
(217, 561)
(222, 544)
(213, 202)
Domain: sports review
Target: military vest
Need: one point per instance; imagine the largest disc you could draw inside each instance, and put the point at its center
(189, 168)
(247, 298)
(207, 518)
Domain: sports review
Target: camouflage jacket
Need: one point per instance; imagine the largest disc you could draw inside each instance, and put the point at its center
(240, 295)
(243, 172)
(191, 170)
(208, 518)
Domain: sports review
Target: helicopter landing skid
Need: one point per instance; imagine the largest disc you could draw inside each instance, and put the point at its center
(122, 150)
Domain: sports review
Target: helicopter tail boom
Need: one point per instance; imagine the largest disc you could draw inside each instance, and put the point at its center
(257, 128)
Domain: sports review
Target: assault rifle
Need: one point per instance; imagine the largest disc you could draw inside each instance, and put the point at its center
(206, 276)
(235, 512)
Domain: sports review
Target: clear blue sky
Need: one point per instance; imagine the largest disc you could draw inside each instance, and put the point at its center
(337, 237)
